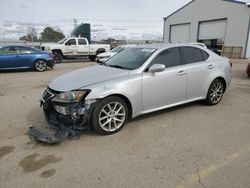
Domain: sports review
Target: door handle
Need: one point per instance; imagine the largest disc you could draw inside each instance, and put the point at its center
(180, 73)
(210, 66)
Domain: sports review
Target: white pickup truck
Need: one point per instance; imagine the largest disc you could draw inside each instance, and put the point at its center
(74, 47)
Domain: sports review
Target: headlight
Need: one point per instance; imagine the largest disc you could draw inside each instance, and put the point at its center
(69, 97)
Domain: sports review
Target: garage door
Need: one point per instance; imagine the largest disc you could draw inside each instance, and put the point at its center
(180, 33)
(212, 30)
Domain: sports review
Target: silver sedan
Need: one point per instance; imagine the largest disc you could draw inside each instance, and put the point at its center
(137, 81)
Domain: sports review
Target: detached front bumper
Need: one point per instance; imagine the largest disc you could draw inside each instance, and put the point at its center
(66, 119)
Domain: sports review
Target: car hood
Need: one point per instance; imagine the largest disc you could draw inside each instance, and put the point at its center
(86, 76)
(105, 54)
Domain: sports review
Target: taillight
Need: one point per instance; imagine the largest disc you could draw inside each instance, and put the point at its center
(51, 55)
(230, 63)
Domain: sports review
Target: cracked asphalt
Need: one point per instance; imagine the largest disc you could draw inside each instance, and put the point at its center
(192, 146)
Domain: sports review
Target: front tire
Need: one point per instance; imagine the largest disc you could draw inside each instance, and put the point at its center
(215, 92)
(110, 115)
(40, 65)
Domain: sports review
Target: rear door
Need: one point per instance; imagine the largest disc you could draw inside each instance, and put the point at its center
(167, 87)
(83, 47)
(26, 56)
(198, 71)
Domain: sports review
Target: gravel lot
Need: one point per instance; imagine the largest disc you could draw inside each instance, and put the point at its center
(188, 146)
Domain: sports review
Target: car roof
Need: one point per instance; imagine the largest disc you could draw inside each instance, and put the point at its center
(166, 45)
(27, 46)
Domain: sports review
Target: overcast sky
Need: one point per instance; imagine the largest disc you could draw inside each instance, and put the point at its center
(120, 18)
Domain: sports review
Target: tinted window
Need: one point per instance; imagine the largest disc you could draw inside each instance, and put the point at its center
(170, 58)
(82, 42)
(71, 42)
(191, 55)
(204, 55)
(11, 50)
(26, 50)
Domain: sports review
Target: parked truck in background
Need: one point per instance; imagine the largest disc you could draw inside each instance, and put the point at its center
(75, 47)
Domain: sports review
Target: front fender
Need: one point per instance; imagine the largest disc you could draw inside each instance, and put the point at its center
(131, 88)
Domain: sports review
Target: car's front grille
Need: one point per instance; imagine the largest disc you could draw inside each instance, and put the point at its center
(65, 110)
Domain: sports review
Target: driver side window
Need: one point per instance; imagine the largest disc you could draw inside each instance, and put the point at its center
(71, 42)
(170, 58)
(12, 50)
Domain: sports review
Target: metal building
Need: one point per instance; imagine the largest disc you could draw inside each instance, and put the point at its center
(217, 23)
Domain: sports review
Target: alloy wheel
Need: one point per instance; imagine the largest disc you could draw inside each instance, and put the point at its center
(216, 92)
(41, 65)
(112, 116)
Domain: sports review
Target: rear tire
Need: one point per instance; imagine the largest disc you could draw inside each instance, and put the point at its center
(92, 57)
(215, 92)
(58, 57)
(110, 115)
(40, 65)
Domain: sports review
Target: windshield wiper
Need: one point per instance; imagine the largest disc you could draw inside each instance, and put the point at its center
(117, 66)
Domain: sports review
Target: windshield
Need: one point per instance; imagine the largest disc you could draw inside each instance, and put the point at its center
(62, 41)
(117, 49)
(130, 58)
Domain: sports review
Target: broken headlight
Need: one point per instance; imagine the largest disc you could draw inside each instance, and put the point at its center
(70, 97)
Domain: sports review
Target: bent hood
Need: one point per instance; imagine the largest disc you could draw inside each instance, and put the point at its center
(86, 76)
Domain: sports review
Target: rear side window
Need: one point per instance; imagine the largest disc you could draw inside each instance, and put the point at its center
(191, 55)
(82, 42)
(204, 55)
(170, 58)
(26, 50)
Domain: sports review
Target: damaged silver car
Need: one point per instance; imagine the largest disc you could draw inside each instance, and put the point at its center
(136, 81)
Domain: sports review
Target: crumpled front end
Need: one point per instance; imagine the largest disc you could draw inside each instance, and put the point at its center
(68, 118)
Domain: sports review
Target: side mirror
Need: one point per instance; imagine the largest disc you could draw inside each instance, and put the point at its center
(156, 68)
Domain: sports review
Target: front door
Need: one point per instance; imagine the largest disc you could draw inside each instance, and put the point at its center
(9, 58)
(70, 47)
(167, 87)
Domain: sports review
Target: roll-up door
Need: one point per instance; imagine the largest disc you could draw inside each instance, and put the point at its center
(212, 30)
(180, 33)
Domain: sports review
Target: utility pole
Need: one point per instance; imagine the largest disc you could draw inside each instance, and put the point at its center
(75, 22)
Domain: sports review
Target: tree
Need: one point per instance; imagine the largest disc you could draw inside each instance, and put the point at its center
(50, 35)
(31, 35)
(29, 38)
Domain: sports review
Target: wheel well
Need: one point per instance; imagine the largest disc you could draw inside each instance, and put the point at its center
(223, 82)
(58, 51)
(100, 50)
(127, 101)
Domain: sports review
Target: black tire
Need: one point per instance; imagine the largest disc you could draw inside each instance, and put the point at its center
(215, 92)
(92, 57)
(58, 57)
(102, 124)
(40, 65)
